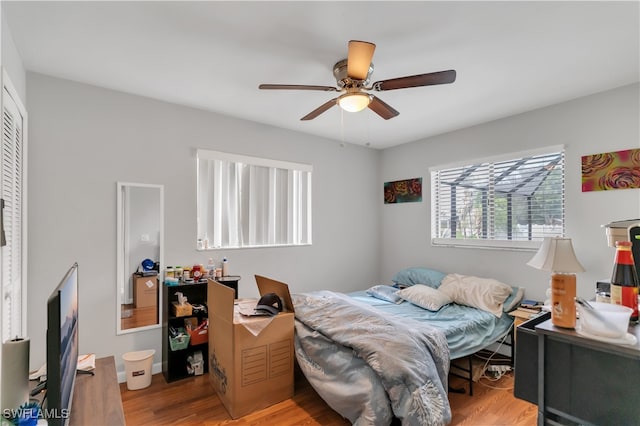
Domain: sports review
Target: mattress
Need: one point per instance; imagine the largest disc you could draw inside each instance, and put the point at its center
(466, 329)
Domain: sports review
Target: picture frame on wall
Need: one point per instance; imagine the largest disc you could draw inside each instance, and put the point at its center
(403, 191)
(611, 170)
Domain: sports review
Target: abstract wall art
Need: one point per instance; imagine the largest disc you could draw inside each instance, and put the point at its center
(611, 170)
(403, 191)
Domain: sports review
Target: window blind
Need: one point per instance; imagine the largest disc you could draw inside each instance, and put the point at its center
(508, 202)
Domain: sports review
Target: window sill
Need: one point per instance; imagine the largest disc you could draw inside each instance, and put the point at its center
(487, 244)
(252, 247)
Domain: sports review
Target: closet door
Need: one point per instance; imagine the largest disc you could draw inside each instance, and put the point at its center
(12, 187)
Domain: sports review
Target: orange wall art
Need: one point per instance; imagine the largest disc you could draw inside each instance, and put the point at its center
(611, 170)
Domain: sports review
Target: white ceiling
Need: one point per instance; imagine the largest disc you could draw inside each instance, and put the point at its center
(510, 57)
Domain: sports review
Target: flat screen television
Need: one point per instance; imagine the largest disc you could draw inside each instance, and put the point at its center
(62, 348)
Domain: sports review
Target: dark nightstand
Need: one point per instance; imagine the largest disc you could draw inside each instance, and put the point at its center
(230, 281)
(580, 380)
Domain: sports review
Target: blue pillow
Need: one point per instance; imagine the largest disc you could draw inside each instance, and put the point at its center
(411, 276)
(514, 299)
(385, 292)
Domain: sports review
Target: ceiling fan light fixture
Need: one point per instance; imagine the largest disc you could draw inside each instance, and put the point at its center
(354, 102)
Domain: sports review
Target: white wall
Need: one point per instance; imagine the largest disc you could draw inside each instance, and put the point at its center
(603, 122)
(12, 61)
(83, 139)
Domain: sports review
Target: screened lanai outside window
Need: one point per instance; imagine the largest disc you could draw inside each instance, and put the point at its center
(251, 202)
(511, 202)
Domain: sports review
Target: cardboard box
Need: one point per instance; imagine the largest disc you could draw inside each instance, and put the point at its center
(145, 291)
(249, 372)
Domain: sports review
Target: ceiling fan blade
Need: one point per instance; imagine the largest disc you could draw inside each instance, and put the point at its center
(429, 79)
(297, 87)
(322, 108)
(381, 108)
(359, 59)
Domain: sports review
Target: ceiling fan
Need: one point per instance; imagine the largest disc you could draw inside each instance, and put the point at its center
(352, 76)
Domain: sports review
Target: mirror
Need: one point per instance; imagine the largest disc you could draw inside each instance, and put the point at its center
(140, 236)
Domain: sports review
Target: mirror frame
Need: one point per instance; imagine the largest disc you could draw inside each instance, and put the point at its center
(120, 254)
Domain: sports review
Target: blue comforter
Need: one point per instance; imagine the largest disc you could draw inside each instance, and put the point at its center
(368, 365)
(467, 329)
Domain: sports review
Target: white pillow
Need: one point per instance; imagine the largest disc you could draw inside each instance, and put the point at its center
(424, 296)
(482, 293)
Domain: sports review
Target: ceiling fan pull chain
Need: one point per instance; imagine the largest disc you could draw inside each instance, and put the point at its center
(367, 141)
(341, 128)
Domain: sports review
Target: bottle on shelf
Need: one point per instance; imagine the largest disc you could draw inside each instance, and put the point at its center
(211, 268)
(169, 272)
(624, 279)
(196, 272)
(225, 267)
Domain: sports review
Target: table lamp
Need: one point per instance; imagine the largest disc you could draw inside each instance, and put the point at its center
(556, 255)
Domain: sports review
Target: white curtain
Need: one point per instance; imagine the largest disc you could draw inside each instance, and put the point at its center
(251, 205)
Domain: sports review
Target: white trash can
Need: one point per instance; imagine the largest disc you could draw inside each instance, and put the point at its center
(137, 366)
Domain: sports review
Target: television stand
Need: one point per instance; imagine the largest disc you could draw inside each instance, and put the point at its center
(96, 396)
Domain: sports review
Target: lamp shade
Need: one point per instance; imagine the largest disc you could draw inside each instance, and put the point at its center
(556, 255)
(354, 102)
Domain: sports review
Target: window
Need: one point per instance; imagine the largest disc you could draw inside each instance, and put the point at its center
(252, 202)
(508, 202)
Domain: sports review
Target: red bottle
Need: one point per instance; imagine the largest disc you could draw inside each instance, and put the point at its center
(624, 280)
(196, 272)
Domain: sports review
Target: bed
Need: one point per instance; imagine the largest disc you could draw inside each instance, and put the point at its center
(374, 358)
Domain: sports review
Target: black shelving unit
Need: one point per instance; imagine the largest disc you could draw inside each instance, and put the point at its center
(174, 363)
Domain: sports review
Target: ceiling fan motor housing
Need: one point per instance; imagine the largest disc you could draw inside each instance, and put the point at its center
(342, 78)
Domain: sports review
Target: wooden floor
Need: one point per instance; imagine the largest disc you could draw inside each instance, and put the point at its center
(193, 402)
